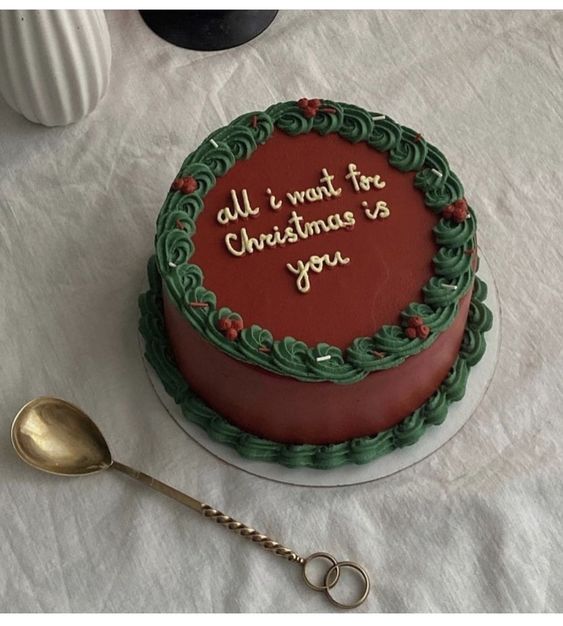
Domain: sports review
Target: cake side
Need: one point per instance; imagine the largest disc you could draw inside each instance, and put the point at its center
(286, 410)
(357, 450)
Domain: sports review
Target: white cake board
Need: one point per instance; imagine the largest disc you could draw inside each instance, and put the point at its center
(434, 438)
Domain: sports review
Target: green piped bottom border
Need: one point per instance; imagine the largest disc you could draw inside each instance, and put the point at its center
(357, 451)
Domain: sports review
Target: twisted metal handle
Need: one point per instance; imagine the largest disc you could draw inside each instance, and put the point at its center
(332, 575)
(250, 533)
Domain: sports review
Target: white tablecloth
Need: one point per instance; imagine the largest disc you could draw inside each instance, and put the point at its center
(477, 526)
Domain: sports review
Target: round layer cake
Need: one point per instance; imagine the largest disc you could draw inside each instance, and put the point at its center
(313, 297)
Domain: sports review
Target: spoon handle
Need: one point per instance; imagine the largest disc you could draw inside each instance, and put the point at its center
(157, 485)
(213, 514)
(332, 575)
(249, 533)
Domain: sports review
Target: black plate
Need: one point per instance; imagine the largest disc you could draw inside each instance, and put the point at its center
(208, 30)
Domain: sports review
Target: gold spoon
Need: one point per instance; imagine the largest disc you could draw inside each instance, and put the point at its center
(57, 437)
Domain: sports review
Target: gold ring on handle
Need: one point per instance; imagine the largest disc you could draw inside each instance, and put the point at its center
(351, 565)
(327, 582)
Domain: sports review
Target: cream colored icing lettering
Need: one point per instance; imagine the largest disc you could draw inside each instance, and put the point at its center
(315, 264)
(243, 243)
(316, 227)
(297, 197)
(228, 214)
(361, 182)
(229, 238)
(328, 187)
(274, 204)
(380, 210)
(316, 194)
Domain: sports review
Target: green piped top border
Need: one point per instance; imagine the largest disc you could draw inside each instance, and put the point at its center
(389, 346)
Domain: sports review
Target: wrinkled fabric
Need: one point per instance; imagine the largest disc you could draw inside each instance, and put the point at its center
(475, 527)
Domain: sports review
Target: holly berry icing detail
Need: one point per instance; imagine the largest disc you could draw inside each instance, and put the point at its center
(458, 211)
(186, 184)
(417, 328)
(230, 327)
(309, 107)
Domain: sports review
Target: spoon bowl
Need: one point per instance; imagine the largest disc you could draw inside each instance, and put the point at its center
(55, 436)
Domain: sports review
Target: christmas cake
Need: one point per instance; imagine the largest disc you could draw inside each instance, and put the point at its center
(313, 294)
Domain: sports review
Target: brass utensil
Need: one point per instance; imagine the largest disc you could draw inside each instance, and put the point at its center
(57, 437)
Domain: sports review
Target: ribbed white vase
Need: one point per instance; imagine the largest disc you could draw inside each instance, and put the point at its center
(54, 65)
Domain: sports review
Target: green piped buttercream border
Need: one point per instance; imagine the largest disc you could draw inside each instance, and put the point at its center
(389, 346)
(357, 451)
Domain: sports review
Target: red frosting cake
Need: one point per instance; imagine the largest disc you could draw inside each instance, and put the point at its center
(313, 295)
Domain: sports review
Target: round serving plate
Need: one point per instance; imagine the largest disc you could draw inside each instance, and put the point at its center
(433, 439)
(208, 29)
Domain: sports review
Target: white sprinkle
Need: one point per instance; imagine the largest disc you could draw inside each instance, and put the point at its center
(214, 143)
(364, 203)
(376, 118)
(437, 172)
(170, 264)
(327, 357)
(452, 287)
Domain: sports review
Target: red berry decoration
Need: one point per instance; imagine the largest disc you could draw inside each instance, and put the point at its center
(189, 185)
(417, 328)
(458, 211)
(231, 334)
(309, 107)
(461, 204)
(448, 212)
(416, 321)
(225, 324)
(423, 331)
(237, 324)
(230, 327)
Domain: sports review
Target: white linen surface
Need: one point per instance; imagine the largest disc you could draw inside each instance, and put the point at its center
(478, 525)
